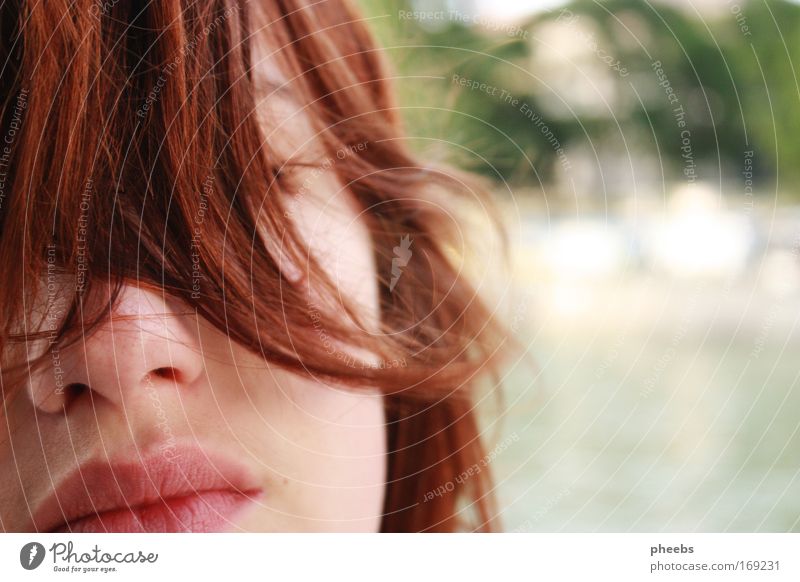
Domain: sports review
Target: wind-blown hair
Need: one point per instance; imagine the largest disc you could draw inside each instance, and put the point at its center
(125, 121)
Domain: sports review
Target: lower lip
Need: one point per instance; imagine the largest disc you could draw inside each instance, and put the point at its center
(204, 511)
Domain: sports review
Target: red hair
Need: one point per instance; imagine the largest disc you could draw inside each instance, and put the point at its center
(148, 104)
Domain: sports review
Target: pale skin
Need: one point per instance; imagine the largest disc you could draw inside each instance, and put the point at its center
(318, 451)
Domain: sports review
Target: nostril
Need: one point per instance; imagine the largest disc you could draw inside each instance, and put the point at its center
(73, 391)
(76, 389)
(167, 373)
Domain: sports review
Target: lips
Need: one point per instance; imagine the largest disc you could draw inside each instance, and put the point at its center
(184, 490)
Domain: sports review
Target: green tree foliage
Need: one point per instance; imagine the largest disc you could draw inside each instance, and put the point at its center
(726, 81)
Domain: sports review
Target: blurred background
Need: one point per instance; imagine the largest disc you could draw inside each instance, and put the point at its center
(646, 157)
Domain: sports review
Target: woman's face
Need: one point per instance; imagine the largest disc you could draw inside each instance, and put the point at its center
(159, 422)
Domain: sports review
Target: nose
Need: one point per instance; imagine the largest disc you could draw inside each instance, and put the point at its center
(147, 343)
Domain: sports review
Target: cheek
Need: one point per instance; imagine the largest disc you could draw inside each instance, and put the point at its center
(322, 449)
(341, 439)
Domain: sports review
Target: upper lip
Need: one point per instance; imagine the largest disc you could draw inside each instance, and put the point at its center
(104, 485)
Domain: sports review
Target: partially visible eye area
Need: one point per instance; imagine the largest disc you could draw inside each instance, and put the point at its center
(285, 177)
(45, 307)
